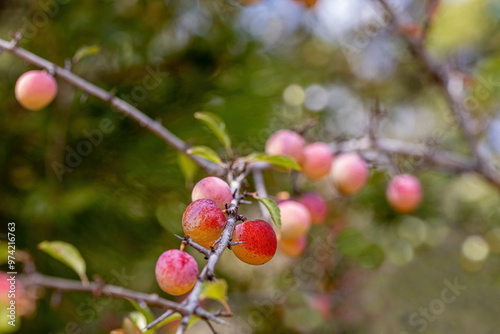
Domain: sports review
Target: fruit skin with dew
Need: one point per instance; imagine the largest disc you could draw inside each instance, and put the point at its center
(295, 219)
(176, 272)
(404, 193)
(316, 205)
(258, 239)
(215, 189)
(203, 220)
(293, 247)
(35, 89)
(286, 142)
(317, 160)
(349, 173)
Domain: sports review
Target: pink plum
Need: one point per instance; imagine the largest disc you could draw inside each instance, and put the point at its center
(35, 89)
(317, 160)
(286, 142)
(176, 272)
(293, 247)
(349, 173)
(215, 189)
(316, 205)
(295, 219)
(404, 193)
(259, 242)
(203, 220)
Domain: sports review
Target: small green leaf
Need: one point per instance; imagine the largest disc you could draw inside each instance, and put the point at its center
(218, 127)
(217, 291)
(273, 209)
(85, 51)
(282, 161)
(214, 290)
(188, 168)
(371, 257)
(351, 242)
(133, 323)
(205, 152)
(67, 254)
(146, 312)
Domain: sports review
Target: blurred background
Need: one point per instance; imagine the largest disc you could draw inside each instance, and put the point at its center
(261, 66)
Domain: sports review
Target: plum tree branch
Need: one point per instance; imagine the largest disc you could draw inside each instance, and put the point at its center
(441, 76)
(439, 158)
(107, 97)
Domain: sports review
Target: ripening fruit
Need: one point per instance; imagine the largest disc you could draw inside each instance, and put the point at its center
(316, 205)
(286, 142)
(308, 3)
(35, 89)
(203, 220)
(317, 160)
(259, 242)
(404, 193)
(349, 173)
(295, 219)
(293, 247)
(215, 189)
(176, 272)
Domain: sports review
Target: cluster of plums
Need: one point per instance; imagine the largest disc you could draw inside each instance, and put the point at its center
(204, 221)
(348, 171)
(349, 174)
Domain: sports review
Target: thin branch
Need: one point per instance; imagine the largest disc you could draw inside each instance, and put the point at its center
(117, 103)
(188, 241)
(440, 76)
(113, 291)
(439, 158)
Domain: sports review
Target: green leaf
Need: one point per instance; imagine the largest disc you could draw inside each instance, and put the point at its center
(133, 323)
(214, 290)
(273, 209)
(85, 51)
(218, 127)
(146, 312)
(205, 152)
(217, 291)
(67, 254)
(371, 257)
(188, 168)
(351, 242)
(282, 161)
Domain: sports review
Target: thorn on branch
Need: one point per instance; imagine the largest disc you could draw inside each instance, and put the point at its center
(235, 243)
(99, 286)
(16, 38)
